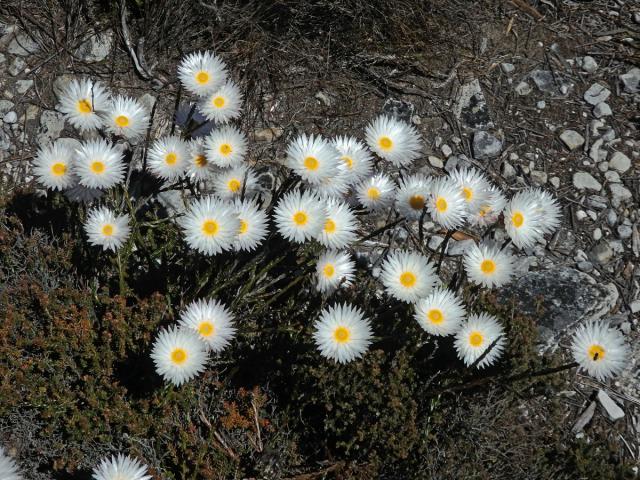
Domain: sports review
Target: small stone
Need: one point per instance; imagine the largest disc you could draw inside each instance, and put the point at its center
(507, 67)
(612, 217)
(603, 166)
(564, 88)
(620, 162)
(596, 153)
(6, 105)
(398, 109)
(324, 98)
(596, 94)
(589, 64)
(456, 248)
(435, 162)
(486, 145)
(609, 135)
(543, 80)
(597, 234)
(624, 231)
(584, 180)
(583, 420)
(594, 126)
(446, 150)
(619, 194)
(601, 253)
(597, 202)
(541, 104)
(10, 117)
(96, 48)
(585, 266)
(581, 215)
(612, 176)
(523, 88)
(471, 106)
(592, 215)
(611, 408)
(635, 306)
(267, 134)
(538, 177)
(23, 85)
(572, 139)
(16, 66)
(555, 181)
(602, 110)
(51, 124)
(631, 80)
(507, 170)
(22, 45)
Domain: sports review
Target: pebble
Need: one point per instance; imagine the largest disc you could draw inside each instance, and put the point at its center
(619, 194)
(446, 150)
(620, 162)
(594, 126)
(596, 94)
(602, 110)
(23, 85)
(612, 176)
(538, 177)
(435, 162)
(543, 80)
(507, 67)
(597, 234)
(5, 106)
(541, 104)
(96, 48)
(507, 170)
(601, 252)
(581, 215)
(10, 117)
(585, 266)
(635, 306)
(611, 408)
(596, 153)
(597, 202)
(624, 231)
(16, 66)
(572, 139)
(523, 88)
(631, 80)
(267, 134)
(609, 135)
(603, 166)
(485, 145)
(589, 64)
(612, 217)
(584, 180)
(22, 45)
(555, 181)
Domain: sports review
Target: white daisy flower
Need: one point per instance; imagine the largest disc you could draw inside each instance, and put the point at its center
(473, 185)
(339, 229)
(342, 333)
(212, 320)
(202, 73)
(489, 212)
(549, 210)
(168, 158)
(447, 205)
(522, 220)
(334, 269)
(440, 313)
(394, 140)
(600, 350)
(313, 158)
(179, 354)
(99, 164)
(210, 226)
(231, 183)
(8, 468)
(376, 193)
(336, 186)
(475, 336)
(412, 196)
(122, 467)
(226, 146)
(253, 225)
(53, 166)
(80, 101)
(105, 228)
(199, 167)
(222, 105)
(300, 216)
(356, 158)
(488, 266)
(126, 117)
(408, 276)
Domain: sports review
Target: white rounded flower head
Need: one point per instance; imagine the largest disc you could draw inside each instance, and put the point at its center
(394, 140)
(489, 212)
(522, 220)
(336, 186)
(222, 105)
(126, 117)
(473, 185)
(600, 350)
(313, 158)
(212, 321)
(105, 228)
(120, 468)
(300, 216)
(333, 270)
(179, 354)
(232, 182)
(226, 146)
(440, 313)
(412, 196)
(357, 161)
(99, 164)
(253, 225)
(199, 167)
(342, 333)
(53, 166)
(80, 101)
(549, 210)
(339, 228)
(376, 193)
(8, 468)
(168, 158)
(447, 205)
(202, 73)
(488, 266)
(210, 226)
(475, 336)
(408, 276)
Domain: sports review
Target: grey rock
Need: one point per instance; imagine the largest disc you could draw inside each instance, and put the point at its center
(612, 176)
(544, 80)
(585, 266)
(148, 101)
(603, 166)
(446, 150)
(5, 143)
(398, 109)
(5, 106)
(486, 145)
(507, 67)
(597, 234)
(584, 180)
(538, 177)
(609, 135)
(572, 139)
(581, 215)
(589, 64)
(555, 181)
(596, 153)
(631, 80)
(619, 194)
(541, 104)
(507, 170)
(635, 306)
(16, 66)
(456, 161)
(636, 17)
(558, 298)
(22, 45)
(456, 248)
(595, 126)
(611, 408)
(620, 162)
(471, 106)
(435, 162)
(96, 48)
(624, 231)
(602, 110)
(523, 88)
(584, 418)
(23, 85)
(267, 134)
(612, 217)
(10, 117)
(597, 93)
(601, 253)
(324, 98)
(51, 125)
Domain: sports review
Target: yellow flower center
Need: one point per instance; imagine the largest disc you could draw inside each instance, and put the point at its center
(107, 230)
(330, 226)
(485, 209)
(408, 279)
(328, 270)
(476, 339)
(171, 158)
(348, 161)
(373, 193)
(200, 161)
(225, 149)
(97, 166)
(488, 266)
(122, 121)
(417, 202)
(209, 227)
(441, 204)
(84, 106)
(341, 334)
(468, 193)
(58, 169)
(300, 218)
(206, 328)
(234, 185)
(179, 356)
(596, 352)
(311, 163)
(202, 77)
(517, 219)
(385, 143)
(218, 102)
(435, 316)
(244, 226)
